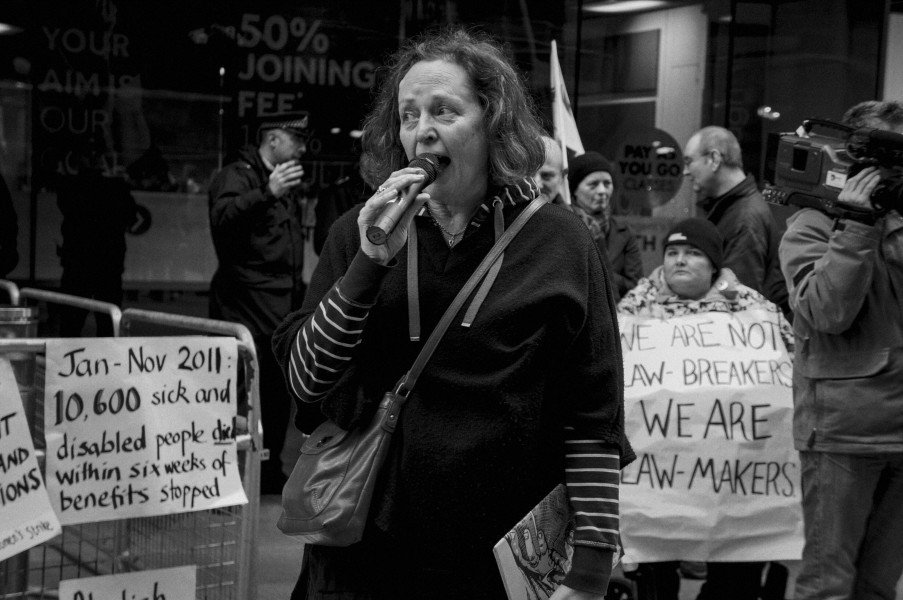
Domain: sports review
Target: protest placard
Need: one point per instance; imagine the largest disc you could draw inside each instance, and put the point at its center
(177, 583)
(140, 426)
(25, 512)
(708, 409)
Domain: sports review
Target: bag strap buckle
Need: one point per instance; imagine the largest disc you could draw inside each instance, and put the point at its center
(401, 388)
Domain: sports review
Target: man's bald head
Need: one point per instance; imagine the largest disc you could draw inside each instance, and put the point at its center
(551, 173)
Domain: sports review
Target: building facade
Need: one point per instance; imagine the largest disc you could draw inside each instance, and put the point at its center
(161, 93)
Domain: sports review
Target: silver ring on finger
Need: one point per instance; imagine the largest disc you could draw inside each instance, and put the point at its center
(380, 190)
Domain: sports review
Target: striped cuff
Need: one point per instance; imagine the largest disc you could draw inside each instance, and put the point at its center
(362, 280)
(592, 475)
(590, 570)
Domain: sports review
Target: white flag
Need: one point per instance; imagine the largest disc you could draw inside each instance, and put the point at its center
(566, 133)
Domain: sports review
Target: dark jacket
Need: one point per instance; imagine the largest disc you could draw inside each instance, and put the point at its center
(9, 231)
(624, 257)
(259, 243)
(751, 238)
(542, 352)
(257, 236)
(97, 211)
(618, 247)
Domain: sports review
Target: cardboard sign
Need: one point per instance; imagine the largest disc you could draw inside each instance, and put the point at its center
(26, 517)
(177, 583)
(140, 426)
(708, 409)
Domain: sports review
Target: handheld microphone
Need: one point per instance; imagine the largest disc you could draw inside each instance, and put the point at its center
(432, 165)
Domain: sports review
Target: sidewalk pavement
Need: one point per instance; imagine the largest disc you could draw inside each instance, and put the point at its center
(278, 555)
(279, 559)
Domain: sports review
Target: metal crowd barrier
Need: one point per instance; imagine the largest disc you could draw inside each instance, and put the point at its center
(89, 304)
(220, 542)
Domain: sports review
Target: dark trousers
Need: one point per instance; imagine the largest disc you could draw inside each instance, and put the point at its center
(275, 413)
(739, 580)
(657, 581)
(92, 284)
(734, 580)
(382, 570)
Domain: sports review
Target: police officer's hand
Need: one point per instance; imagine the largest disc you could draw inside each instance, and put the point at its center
(284, 177)
(857, 190)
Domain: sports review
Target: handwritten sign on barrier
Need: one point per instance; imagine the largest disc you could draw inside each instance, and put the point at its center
(177, 583)
(140, 426)
(26, 517)
(708, 409)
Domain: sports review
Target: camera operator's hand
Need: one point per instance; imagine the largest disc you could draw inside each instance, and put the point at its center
(284, 177)
(857, 190)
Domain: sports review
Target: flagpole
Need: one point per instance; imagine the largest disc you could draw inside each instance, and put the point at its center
(564, 125)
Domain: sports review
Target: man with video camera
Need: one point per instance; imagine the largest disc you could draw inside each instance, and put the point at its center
(844, 272)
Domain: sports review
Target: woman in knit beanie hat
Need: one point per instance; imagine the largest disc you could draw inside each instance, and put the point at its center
(591, 178)
(693, 255)
(692, 281)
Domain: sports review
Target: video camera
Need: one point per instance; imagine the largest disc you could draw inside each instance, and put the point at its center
(811, 167)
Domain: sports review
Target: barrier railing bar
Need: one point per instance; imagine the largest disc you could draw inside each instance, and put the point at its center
(200, 324)
(111, 310)
(12, 290)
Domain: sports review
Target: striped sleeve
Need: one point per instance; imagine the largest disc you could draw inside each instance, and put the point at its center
(325, 345)
(592, 475)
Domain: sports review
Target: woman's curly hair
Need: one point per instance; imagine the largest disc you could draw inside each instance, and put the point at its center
(510, 122)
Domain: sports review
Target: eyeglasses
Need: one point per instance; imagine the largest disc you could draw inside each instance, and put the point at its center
(690, 159)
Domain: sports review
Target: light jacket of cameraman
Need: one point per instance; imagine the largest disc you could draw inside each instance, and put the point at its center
(846, 281)
(845, 278)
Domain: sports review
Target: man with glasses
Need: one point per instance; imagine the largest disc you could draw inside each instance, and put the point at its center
(257, 223)
(730, 198)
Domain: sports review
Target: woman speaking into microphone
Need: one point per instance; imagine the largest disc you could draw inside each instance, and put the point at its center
(523, 392)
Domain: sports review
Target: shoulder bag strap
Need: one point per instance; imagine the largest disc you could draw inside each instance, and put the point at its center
(408, 381)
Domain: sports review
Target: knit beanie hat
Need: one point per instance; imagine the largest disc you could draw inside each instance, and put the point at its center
(701, 234)
(581, 166)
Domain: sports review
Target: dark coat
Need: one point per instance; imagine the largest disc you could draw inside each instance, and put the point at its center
(97, 211)
(9, 231)
(542, 352)
(751, 239)
(624, 257)
(259, 243)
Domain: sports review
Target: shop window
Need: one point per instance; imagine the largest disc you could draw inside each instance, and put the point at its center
(622, 64)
